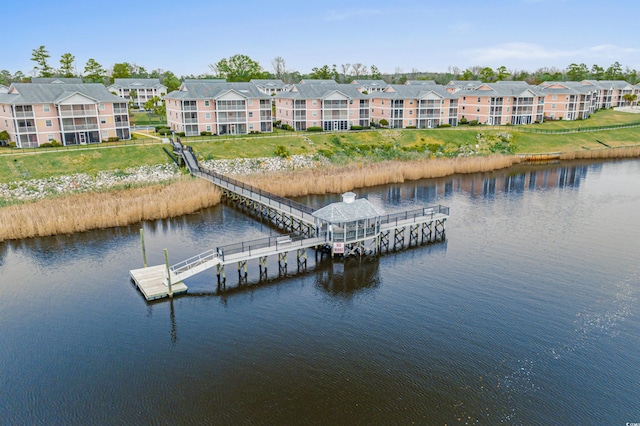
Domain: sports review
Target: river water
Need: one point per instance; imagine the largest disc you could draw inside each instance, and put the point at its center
(528, 313)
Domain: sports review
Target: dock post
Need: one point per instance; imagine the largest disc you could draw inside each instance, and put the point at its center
(144, 252)
(166, 261)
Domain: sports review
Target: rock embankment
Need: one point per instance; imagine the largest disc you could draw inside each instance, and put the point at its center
(35, 189)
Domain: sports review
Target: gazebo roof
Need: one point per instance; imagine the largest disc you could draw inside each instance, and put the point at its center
(348, 210)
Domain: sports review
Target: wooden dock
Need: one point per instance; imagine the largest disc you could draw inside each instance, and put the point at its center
(152, 282)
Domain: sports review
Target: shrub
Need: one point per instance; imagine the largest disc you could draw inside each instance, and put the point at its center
(356, 127)
(326, 153)
(286, 127)
(314, 129)
(46, 145)
(384, 122)
(277, 123)
(463, 120)
(12, 144)
(281, 151)
(205, 133)
(165, 131)
(474, 123)
(55, 142)
(158, 128)
(181, 134)
(113, 139)
(410, 127)
(444, 125)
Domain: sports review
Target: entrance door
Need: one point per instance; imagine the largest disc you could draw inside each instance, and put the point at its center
(232, 129)
(336, 125)
(82, 138)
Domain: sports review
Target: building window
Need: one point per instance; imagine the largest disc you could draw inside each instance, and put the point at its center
(103, 120)
(45, 108)
(315, 113)
(208, 128)
(410, 112)
(206, 103)
(554, 97)
(48, 123)
(50, 138)
(207, 116)
(105, 134)
(383, 102)
(553, 106)
(314, 102)
(250, 114)
(251, 126)
(478, 100)
(250, 101)
(507, 109)
(411, 102)
(478, 109)
(101, 107)
(410, 123)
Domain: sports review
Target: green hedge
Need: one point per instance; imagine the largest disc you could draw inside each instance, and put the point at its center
(314, 129)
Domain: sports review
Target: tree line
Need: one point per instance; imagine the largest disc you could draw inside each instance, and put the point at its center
(242, 68)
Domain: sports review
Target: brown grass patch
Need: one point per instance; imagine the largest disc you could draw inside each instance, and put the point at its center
(336, 180)
(82, 212)
(619, 152)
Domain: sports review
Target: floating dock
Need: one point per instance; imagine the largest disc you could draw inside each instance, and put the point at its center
(152, 282)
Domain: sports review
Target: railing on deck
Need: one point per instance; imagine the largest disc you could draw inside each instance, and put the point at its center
(414, 215)
(194, 261)
(276, 201)
(288, 242)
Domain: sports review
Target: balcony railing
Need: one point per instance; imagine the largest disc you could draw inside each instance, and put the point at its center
(78, 113)
(189, 108)
(24, 114)
(79, 127)
(191, 120)
(26, 129)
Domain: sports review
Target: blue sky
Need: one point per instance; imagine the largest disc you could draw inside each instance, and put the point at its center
(186, 36)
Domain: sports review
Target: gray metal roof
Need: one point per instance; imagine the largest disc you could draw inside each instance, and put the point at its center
(495, 89)
(370, 83)
(321, 91)
(203, 89)
(408, 91)
(133, 83)
(419, 82)
(45, 80)
(342, 212)
(464, 84)
(271, 83)
(30, 93)
(567, 87)
(3, 88)
(609, 84)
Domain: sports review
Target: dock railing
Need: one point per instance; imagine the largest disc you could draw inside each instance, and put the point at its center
(277, 243)
(281, 203)
(192, 262)
(414, 215)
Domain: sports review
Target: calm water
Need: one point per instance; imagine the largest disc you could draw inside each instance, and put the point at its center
(527, 314)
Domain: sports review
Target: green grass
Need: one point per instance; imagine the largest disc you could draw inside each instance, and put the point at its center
(21, 167)
(599, 118)
(346, 146)
(147, 119)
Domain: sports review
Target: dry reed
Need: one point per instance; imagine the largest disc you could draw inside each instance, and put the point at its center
(335, 179)
(604, 153)
(82, 212)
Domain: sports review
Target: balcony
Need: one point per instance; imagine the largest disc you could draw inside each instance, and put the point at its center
(26, 129)
(81, 112)
(120, 111)
(79, 127)
(191, 121)
(24, 114)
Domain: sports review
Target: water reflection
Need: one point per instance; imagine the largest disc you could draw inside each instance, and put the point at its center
(345, 278)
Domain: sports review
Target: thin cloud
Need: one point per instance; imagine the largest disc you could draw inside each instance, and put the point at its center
(536, 52)
(341, 15)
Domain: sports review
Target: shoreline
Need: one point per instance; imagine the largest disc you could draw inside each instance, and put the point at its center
(175, 194)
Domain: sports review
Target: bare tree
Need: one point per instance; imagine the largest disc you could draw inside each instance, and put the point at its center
(345, 71)
(357, 68)
(279, 67)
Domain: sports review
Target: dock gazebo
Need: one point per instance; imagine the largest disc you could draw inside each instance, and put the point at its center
(352, 226)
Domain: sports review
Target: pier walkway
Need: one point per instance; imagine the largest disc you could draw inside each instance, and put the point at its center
(361, 230)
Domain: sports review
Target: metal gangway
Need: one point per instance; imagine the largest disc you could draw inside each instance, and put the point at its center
(291, 209)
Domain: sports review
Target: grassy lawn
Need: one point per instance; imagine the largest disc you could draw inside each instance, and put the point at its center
(147, 119)
(385, 144)
(607, 117)
(40, 166)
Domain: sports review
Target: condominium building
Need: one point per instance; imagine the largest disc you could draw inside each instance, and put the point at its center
(610, 92)
(34, 114)
(504, 102)
(423, 106)
(323, 103)
(568, 100)
(270, 86)
(138, 90)
(218, 107)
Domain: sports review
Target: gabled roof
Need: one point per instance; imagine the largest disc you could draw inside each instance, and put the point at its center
(370, 83)
(464, 84)
(514, 89)
(137, 83)
(30, 93)
(419, 82)
(565, 87)
(608, 84)
(317, 81)
(3, 88)
(270, 83)
(408, 91)
(204, 89)
(322, 91)
(343, 212)
(56, 80)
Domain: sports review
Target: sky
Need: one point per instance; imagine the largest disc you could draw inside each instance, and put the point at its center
(186, 36)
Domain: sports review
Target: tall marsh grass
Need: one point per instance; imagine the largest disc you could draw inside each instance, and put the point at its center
(339, 179)
(86, 211)
(592, 154)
